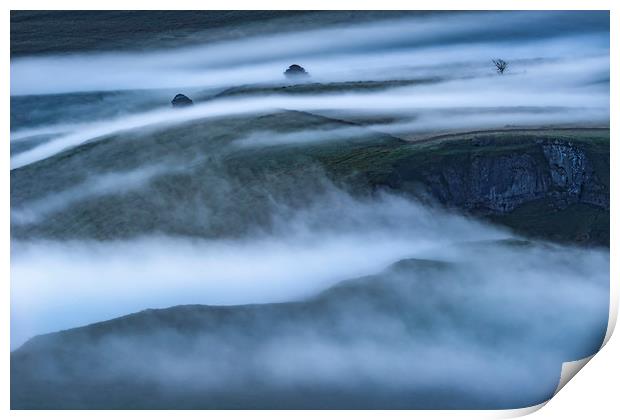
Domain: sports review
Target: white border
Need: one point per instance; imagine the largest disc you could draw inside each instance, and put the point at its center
(592, 395)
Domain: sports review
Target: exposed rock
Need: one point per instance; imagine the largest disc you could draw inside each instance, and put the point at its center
(181, 100)
(497, 183)
(296, 71)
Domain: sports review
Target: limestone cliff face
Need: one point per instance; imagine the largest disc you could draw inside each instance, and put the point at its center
(496, 180)
(573, 176)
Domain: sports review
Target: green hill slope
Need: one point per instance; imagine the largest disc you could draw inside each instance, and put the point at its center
(552, 184)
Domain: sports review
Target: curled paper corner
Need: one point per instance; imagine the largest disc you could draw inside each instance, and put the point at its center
(520, 412)
(569, 370)
(613, 314)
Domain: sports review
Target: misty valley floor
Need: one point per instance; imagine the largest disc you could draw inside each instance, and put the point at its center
(394, 340)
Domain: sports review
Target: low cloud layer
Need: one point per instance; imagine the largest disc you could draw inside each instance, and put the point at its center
(544, 88)
(559, 66)
(335, 238)
(99, 185)
(488, 321)
(331, 53)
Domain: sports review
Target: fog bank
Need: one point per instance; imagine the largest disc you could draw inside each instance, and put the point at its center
(331, 54)
(546, 88)
(58, 285)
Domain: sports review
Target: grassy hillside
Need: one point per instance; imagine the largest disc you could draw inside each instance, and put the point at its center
(196, 164)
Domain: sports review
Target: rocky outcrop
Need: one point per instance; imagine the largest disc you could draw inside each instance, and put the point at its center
(181, 100)
(573, 177)
(497, 181)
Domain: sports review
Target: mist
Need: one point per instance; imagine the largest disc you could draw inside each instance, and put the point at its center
(252, 275)
(97, 185)
(543, 88)
(560, 73)
(491, 281)
(258, 268)
(424, 41)
(471, 310)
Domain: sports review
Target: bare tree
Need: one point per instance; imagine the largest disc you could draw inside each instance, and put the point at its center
(500, 65)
